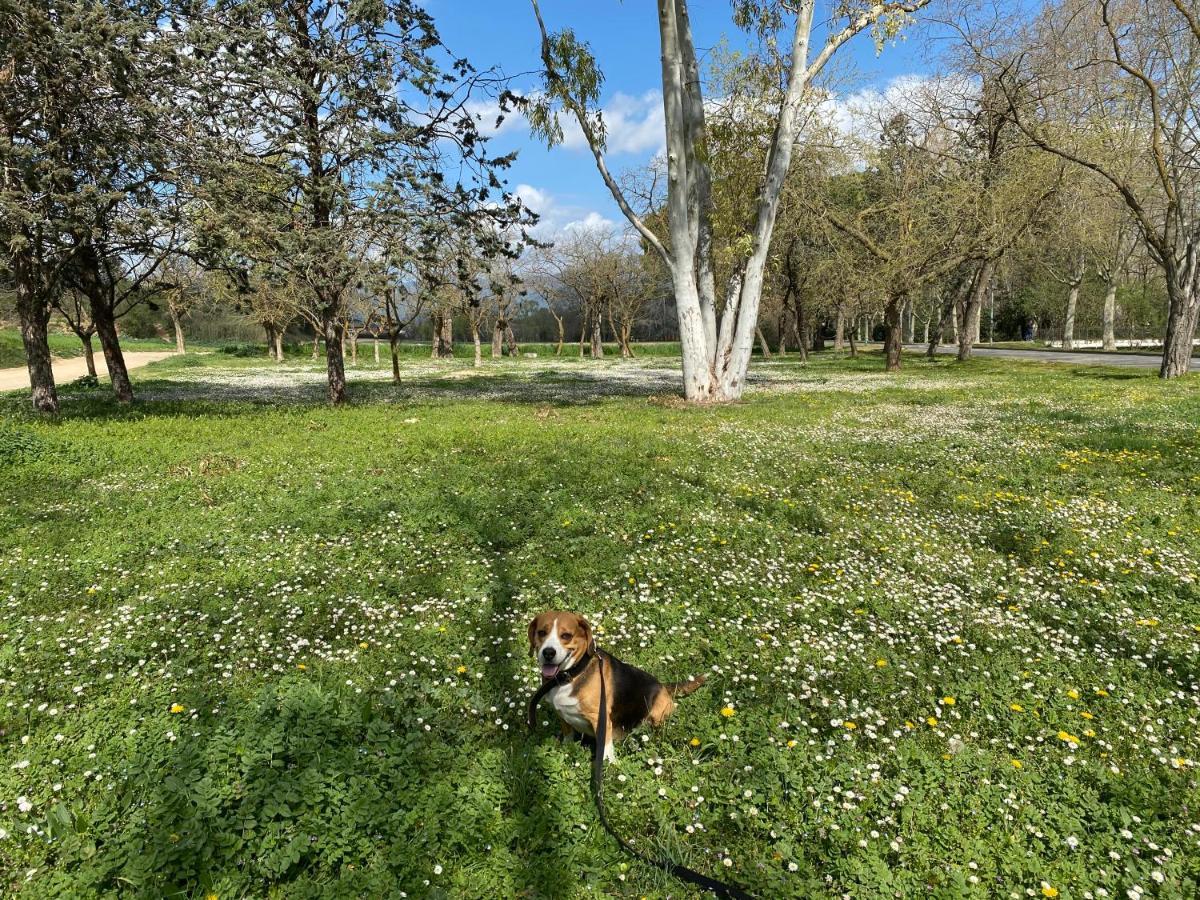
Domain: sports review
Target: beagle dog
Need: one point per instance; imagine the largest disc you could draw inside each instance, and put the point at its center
(562, 644)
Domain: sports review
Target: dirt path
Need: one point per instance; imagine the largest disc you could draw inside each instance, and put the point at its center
(67, 370)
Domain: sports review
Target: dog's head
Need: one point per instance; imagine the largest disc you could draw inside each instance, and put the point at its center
(558, 640)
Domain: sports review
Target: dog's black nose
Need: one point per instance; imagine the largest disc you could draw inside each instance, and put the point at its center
(547, 653)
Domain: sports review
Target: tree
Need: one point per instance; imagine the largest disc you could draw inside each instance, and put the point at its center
(903, 219)
(84, 120)
(1113, 86)
(716, 355)
(182, 293)
(75, 311)
(340, 114)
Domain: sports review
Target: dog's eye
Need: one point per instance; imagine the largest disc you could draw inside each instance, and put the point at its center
(542, 633)
(566, 635)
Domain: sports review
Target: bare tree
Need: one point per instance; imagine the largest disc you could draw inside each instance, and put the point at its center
(1114, 86)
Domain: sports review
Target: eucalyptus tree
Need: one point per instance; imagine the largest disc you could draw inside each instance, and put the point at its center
(1113, 86)
(339, 113)
(716, 336)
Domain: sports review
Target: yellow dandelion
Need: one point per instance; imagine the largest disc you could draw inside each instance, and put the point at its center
(1016, 707)
(461, 669)
(850, 725)
(791, 744)
(176, 708)
(695, 742)
(1087, 715)
(1016, 763)
(301, 666)
(931, 721)
(949, 701)
(881, 663)
(1073, 694)
(727, 711)
(364, 645)
(1048, 891)
(1101, 692)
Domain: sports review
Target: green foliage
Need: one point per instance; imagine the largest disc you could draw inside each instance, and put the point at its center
(260, 648)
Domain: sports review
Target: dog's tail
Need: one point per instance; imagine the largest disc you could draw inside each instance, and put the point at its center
(683, 688)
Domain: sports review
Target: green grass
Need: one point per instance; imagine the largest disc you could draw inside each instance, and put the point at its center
(256, 647)
(12, 352)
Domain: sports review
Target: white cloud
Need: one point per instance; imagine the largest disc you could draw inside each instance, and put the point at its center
(862, 113)
(632, 125)
(557, 216)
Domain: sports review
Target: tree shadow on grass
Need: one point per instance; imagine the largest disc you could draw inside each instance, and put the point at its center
(1101, 374)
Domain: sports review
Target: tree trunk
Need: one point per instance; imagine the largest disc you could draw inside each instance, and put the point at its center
(178, 325)
(270, 330)
(558, 348)
(781, 331)
(498, 337)
(839, 333)
(316, 343)
(971, 307)
(1068, 334)
(278, 345)
(375, 348)
(1181, 323)
(443, 336)
(893, 342)
(106, 330)
(1110, 315)
(394, 345)
(818, 336)
(799, 326)
(762, 342)
(597, 334)
(952, 299)
(910, 322)
(853, 346)
(479, 345)
(335, 363)
(353, 339)
(511, 339)
(35, 320)
(89, 355)
(626, 341)
(1073, 285)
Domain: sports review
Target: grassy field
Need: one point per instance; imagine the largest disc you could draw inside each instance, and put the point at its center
(251, 646)
(12, 352)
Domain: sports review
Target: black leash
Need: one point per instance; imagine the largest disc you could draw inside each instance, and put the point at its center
(683, 873)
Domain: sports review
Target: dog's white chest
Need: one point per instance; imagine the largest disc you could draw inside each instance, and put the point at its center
(567, 707)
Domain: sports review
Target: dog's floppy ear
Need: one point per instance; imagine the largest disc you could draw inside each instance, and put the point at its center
(586, 627)
(532, 630)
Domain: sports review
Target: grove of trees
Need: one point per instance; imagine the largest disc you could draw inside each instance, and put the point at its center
(318, 168)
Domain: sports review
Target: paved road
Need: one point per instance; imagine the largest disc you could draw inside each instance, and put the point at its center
(1133, 360)
(67, 370)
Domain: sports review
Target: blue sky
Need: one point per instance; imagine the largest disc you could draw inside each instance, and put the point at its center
(562, 184)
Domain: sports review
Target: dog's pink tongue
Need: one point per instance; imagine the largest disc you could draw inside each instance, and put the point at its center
(549, 671)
